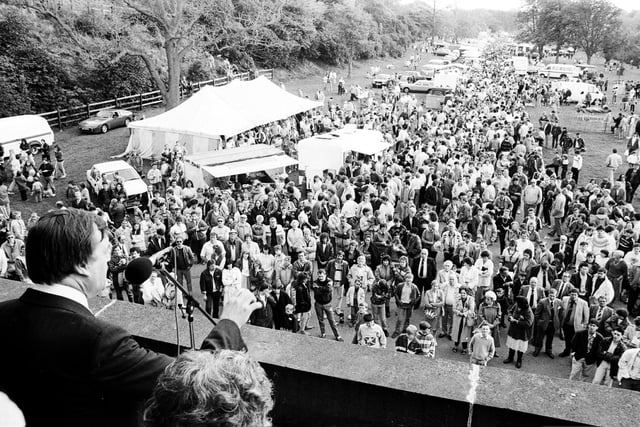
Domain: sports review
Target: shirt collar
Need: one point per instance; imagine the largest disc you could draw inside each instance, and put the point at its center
(64, 292)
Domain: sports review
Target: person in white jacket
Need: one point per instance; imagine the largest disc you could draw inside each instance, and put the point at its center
(231, 276)
(602, 287)
(153, 290)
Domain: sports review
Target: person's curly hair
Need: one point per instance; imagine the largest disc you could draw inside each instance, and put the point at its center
(223, 388)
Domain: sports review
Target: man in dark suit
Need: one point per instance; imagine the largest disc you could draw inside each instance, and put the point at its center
(544, 273)
(411, 221)
(546, 322)
(565, 286)
(600, 313)
(585, 345)
(424, 271)
(146, 198)
(66, 367)
(157, 242)
(583, 281)
(532, 292)
(233, 249)
(564, 248)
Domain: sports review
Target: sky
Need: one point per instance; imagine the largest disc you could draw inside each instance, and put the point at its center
(511, 4)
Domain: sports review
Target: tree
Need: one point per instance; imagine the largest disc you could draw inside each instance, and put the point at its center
(531, 30)
(160, 32)
(555, 24)
(592, 22)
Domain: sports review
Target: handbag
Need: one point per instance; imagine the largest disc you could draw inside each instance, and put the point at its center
(430, 314)
(471, 321)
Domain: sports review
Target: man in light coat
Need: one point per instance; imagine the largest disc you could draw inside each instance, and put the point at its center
(575, 316)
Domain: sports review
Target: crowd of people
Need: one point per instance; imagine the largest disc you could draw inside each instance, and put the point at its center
(461, 227)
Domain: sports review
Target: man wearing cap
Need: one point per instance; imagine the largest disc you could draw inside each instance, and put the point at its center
(585, 345)
(233, 249)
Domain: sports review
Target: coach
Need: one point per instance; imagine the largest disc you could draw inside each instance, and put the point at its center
(59, 363)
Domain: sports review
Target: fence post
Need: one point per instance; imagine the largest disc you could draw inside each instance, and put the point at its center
(59, 120)
(140, 102)
(116, 100)
(88, 110)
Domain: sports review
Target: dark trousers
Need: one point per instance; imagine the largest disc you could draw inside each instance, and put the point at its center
(569, 332)
(576, 174)
(321, 310)
(546, 335)
(632, 301)
(212, 305)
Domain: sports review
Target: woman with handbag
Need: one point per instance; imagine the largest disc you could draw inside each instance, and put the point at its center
(433, 308)
(463, 320)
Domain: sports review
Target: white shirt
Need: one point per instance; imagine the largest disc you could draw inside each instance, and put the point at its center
(64, 292)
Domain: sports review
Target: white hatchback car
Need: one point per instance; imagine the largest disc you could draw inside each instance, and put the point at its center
(133, 185)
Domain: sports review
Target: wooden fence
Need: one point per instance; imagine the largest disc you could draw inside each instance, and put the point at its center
(72, 115)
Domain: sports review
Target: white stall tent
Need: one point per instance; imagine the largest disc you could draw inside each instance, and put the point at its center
(327, 151)
(213, 112)
(204, 168)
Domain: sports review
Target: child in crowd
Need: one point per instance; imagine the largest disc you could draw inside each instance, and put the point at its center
(425, 342)
(482, 347)
(405, 343)
(290, 322)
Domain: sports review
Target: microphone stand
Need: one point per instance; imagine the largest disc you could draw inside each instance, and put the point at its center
(192, 304)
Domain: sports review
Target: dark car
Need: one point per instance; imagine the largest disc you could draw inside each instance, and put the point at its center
(106, 120)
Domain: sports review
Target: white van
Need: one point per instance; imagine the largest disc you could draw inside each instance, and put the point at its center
(520, 64)
(34, 129)
(560, 71)
(579, 91)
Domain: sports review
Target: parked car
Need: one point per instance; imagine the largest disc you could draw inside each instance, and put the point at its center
(438, 63)
(421, 86)
(414, 76)
(442, 51)
(106, 120)
(380, 80)
(560, 71)
(133, 185)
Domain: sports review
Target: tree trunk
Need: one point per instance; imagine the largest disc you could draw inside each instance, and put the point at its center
(350, 67)
(589, 58)
(173, 75)
(557, 54)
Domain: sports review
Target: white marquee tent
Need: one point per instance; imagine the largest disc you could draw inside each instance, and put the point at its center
(203, 168)
(212, 112)
(327, 151)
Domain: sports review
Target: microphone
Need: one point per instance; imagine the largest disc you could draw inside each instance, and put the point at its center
(138, 271)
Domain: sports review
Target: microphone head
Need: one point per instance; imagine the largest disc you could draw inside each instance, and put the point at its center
(138, 271)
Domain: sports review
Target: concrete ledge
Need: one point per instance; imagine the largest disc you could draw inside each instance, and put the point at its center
(323, 382)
